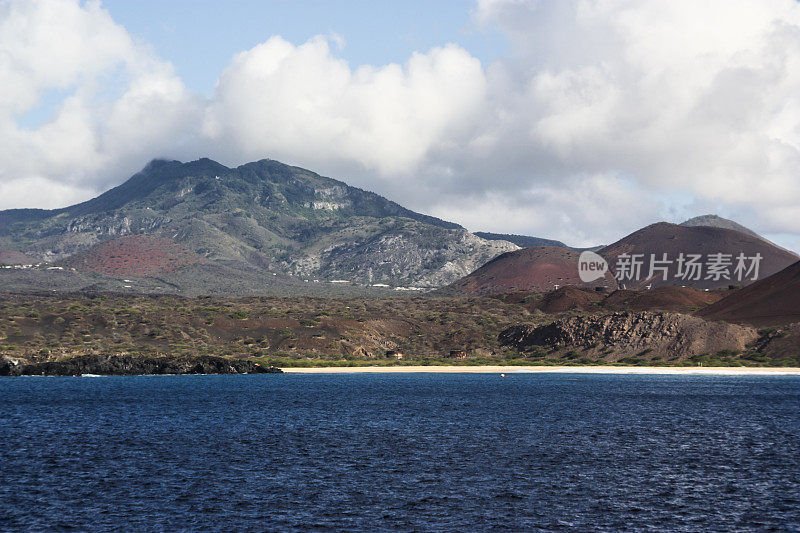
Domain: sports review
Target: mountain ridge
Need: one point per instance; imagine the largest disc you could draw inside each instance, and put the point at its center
(279, 218)
(523, 241)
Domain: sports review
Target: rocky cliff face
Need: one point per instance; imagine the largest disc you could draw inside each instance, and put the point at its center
(274, 217)
(118, 365)
(625, 334)
(397, 255)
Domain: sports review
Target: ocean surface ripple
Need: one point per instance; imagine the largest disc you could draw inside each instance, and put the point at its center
(423, 452)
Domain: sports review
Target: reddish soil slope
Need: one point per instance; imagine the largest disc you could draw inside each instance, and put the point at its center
(676, 299)
(536, 269)
(9, 257)
(773, 301)
(133, 256)
(673, 240)
(569, 298)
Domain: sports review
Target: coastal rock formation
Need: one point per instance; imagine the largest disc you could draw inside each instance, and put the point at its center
(127, 365)
(627, 334)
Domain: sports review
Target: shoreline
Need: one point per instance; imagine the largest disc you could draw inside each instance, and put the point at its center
(499, 369)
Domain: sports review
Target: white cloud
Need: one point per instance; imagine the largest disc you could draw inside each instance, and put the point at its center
(122, 105)
(604, 116)
(30, 191)
(694, 96)
(575, 212)
(53, 43)
(303, 102)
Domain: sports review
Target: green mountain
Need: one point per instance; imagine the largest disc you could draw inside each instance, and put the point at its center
(265, 218)
(523, 241)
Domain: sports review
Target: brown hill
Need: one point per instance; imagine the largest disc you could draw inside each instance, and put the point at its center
(535, 269)
(567, 299)
(674, 240)
(133, 256)
(772, 301)
(675, 299)
(570, 298)
(10, 257)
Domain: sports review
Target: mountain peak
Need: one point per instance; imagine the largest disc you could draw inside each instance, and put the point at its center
(716, 221)
(265, 217)
(205, 165)
(155, 174)
(671, 240)
(157, 163)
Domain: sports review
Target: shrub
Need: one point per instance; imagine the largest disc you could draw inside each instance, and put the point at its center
(537, 352)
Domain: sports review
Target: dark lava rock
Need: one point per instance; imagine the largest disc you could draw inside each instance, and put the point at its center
(662, 334)
(127, 365)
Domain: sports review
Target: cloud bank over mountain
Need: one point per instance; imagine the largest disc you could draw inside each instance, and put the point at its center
(603, 116)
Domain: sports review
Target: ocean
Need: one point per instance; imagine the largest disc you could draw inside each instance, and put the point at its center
(409, 452)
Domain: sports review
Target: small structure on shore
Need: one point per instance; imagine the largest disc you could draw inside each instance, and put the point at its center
(394, 353)
(458, 355)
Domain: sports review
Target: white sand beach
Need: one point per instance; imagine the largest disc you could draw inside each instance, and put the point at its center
(498, 369)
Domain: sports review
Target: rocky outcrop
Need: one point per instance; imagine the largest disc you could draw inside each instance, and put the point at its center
(626, 334)
(523, 241)
(128, 365)
(409, 254)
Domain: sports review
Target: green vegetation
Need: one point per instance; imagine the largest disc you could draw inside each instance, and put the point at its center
(305, 331)
(248, 222)
(316, 332)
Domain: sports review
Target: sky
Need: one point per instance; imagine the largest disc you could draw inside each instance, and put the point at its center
(574, 120)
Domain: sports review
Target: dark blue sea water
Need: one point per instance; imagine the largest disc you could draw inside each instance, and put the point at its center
(424, 452)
